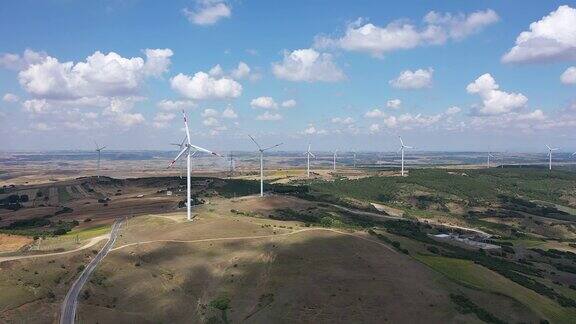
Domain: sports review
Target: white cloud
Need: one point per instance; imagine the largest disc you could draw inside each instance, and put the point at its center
(375, 113)
(312, 130)
(374, 128)
(119, 112)
(401, 34)
(162, 119)
(157, 61)
(216, 71)
(229, 113)
(494, 101)
(41, 127)
(209, 113)
(101, 75)
(290, 103)
(453, 110)
(410, 121)
(173, 105)
(208, 12)
(394, 103)
(343, 120)
(264, 103)
(569, 76)
(211, 122)
(36, 106)
(10, 97)
(307, 65)
(553, 38)
(21, 62)
(413, 79)
(204, 86)
(241, 72)
(268, 116)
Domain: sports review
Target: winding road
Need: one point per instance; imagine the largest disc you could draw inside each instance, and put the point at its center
(68, 312)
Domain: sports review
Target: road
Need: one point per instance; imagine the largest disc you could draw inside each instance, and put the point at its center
(93, 241)
(68, 311)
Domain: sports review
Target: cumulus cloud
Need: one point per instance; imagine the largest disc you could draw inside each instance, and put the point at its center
(204, 86)
(209, 113)
(343, 120)
(413, 79)
(401, 34)
(21, 62)
(307, 65)
(162, 119)
(374, 128)
(100, 75)
(229, 113)
(453, 110)
(264, 103)
(374, 113)
(394, 103)
(10, 97)
(216, 71)
(495, 101)
(569, 76)
(312, 130)
(268, 116)
(208, 12)
(290, 103)
(242, 71)
(552, 38)
(174, 105)
(211, 122)
(119, 111)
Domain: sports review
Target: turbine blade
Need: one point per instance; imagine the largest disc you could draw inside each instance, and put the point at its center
(103, 147)
(178, 156)
(401, 141)
(253, 140)
(198, 148)
(547, 146)
(408, 147)
(271, 147)
(186, 125)
(314, 156)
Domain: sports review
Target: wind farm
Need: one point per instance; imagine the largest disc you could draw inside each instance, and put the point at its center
(219, 161)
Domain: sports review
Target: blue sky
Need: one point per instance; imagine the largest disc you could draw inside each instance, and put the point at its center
(349, 94)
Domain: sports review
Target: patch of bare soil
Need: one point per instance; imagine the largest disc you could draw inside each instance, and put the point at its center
(11, 243)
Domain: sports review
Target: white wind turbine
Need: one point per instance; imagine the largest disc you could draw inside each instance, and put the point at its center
(334, 162)
(262, 150)
(308, 155)
(550, 155)
(354, 153)
(99, 150)
(401, 149)
(489, 156)
(189, 149)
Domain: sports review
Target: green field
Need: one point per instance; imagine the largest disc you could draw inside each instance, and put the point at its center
(469, 274)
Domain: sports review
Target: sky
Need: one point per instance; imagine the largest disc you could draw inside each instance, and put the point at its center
(444, 75)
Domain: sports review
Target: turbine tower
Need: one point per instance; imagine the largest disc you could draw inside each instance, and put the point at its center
(99, 150)
(550, 155)
(232, 165)
(190, 150)
(308, 155)
(354, 152)
(262, 150)
(401, 149)
(334, 163)
(489, 156)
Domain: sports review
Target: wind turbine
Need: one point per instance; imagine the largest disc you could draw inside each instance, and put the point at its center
(489, 156)
(189, 149)
(334, 163)
(550, 156)
(262, 150)
(308, 155)
(354, 153)
(401, 149)
(99, 150)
